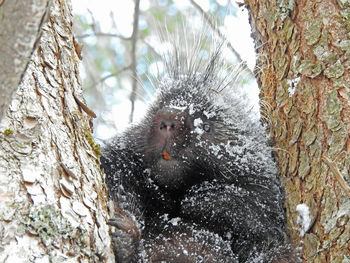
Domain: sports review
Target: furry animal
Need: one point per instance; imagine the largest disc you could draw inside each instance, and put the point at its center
(195, 180)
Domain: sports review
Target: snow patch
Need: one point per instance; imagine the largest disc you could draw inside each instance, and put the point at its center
(209, 114)
(215, 149)
(191, 109)
(165, 217)
(180, 108)
(175, 221)
(292, 85)
(198, 124)
(303, 218)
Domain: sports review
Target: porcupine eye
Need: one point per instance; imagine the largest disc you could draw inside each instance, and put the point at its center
(206, 127)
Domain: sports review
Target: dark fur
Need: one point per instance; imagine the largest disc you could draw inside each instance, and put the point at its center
(214, 196)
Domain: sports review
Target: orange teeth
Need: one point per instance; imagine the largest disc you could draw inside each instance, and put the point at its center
(166, 156)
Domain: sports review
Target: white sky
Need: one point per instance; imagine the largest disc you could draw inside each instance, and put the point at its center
(238, 34)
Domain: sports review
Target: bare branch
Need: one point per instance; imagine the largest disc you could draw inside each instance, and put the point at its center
(133, 57)
(151, 48)
(110, 75)
(222, 36)
(101, 34)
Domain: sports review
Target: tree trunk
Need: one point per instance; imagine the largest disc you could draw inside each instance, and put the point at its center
(23, 19)
(303, 58)
(53, 205)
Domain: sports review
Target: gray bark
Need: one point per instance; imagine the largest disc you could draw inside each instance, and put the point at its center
(22, 19)
(53, 205)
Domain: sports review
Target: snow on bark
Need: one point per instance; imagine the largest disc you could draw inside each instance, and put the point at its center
(53, 205)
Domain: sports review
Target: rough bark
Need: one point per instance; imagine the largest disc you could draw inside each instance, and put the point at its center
(23, 19)
(53, 205)
(303, 58)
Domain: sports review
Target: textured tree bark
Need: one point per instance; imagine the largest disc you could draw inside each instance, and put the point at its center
(23, 19)
(53, 205)
(303, 58)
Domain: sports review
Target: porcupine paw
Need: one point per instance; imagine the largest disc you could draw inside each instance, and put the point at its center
(125, 239)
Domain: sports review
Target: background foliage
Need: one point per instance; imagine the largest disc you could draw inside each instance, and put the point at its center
(115, 57)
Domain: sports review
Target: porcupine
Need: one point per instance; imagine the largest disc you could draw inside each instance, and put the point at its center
(195, 180)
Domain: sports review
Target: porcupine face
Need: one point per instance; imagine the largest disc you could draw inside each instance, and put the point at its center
(196, 128)
(182, 128)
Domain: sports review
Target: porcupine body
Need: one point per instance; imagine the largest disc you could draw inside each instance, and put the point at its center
(195, 180)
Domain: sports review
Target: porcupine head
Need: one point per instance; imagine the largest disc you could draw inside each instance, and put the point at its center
(198, 125)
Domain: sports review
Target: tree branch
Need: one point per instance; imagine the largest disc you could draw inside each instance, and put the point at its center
(207, 18)
(133, 58)
(101, 34)
(110, 75)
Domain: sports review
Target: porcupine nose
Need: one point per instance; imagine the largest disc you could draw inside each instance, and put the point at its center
(169, 130)
(167, 127)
